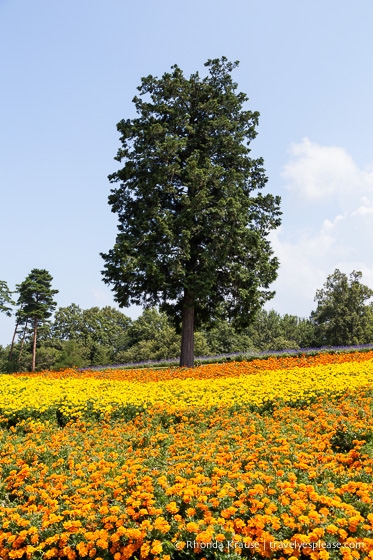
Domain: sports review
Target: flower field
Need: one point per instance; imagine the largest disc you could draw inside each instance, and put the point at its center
(263, 459)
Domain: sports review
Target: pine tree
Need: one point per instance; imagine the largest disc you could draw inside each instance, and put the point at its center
(36, 303)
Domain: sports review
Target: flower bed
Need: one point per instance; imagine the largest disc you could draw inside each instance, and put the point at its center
(261, 463)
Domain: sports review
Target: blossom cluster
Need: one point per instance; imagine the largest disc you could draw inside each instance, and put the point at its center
(291, 481)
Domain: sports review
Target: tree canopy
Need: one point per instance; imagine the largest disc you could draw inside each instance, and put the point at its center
(193, 223)
(6, 301)
(343, 315)
(102, 333)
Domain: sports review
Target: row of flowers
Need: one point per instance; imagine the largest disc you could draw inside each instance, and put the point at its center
(210, 371)
(64, 398)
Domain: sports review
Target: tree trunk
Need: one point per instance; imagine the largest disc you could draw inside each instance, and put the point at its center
(22, 342)
(187, 332)
(34, 345)
(13, 341)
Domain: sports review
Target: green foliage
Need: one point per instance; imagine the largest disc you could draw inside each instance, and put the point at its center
(36, 304)
(72, 354)
(101, 337)
(343, 315)
(271, 331)
(282, 343)
(6, 301)
(3, 359)
(51, 354)
(99, 334)
(201, 345)
(153, 337)
(223, 338)
(47, 356)
(36, 296)
(345, 437)
(68, 323)
(193, 225)
(106, 326)
(148, 326)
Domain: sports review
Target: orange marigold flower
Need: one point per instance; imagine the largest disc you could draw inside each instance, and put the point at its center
(134, 534)
(172, 507)
(82, 549)
(102, 543)
(145, 549)
(192, 527)
(161, 525)
(220, 537)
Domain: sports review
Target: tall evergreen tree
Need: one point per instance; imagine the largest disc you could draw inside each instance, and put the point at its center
(193, 225)
(36, 302)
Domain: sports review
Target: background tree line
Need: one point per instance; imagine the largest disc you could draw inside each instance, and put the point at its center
(105, 336)
(192, 246)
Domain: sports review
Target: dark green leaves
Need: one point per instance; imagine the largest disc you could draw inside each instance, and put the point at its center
(36, 295)
(6, 300)
(191, 215)
(343, 315)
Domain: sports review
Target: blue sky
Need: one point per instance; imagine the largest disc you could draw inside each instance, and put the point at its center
(69, 71)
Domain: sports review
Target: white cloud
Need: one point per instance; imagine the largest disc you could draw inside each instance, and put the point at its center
(319, 173)
(362, 211)
(329, 225)
(333, 228)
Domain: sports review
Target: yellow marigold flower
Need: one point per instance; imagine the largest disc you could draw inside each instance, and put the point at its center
(145, 549)
(156, 547)
(51, 553)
